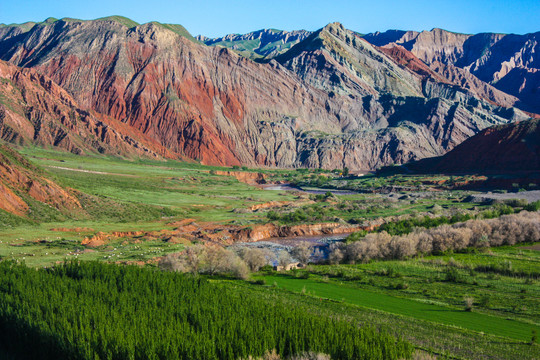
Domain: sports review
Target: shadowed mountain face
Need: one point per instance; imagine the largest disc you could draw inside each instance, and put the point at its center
(510, 63)
(500, 149)
(332, 100)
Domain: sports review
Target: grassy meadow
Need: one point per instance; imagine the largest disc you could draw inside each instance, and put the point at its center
(150, 195)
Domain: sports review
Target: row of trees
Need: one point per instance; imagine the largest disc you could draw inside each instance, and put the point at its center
(94, 310)
(213, 260)
(505, 230)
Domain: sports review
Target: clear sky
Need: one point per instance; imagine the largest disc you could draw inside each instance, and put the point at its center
(219, 17)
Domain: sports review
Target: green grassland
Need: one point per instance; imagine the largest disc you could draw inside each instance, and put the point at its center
(430, 292)
(122, 195)
(444, 341)
(149, 195)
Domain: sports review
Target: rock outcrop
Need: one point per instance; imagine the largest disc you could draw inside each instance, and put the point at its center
(250, 178)
(35, 110)
(20, 181)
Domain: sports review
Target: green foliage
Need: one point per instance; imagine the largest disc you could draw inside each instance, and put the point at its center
(121, 20)
(453, 275)
(311, 214)
(358, 294)
(356, 236)
(534, 206)
(323, 197)
(406, 226)
(8, 220)
(178, 29)
(96, 310)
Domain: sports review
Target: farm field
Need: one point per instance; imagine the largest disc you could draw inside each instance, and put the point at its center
(505, 303)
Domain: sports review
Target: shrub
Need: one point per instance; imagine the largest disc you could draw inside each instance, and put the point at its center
(256, 258)
(303, 252)
(284, 258)
(198, 259)
(469, 301)
(401, 286)
(452, 275)
(534, 206)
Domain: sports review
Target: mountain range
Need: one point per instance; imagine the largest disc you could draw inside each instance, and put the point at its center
(330, 98)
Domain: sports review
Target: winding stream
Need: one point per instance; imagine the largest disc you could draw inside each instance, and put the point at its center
(289, 187)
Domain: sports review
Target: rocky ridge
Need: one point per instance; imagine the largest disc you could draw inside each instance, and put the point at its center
(21, 182)
(510, 63)
(34, 110)
(503, 149)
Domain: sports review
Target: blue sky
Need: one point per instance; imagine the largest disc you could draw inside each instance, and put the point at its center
(216, 18)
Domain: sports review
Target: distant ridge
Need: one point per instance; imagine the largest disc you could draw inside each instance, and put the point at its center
(262, 43)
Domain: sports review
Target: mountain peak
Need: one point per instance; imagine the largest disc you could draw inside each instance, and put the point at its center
(121, 20)
(334, 28)
(49, 20)
(177, 29)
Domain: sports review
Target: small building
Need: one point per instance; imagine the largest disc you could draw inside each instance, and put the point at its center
(288, 267)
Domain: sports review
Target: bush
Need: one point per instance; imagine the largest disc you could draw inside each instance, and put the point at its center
(303, 252)
(256, 258)
(534, 206)
(469, 301)
(211, 260)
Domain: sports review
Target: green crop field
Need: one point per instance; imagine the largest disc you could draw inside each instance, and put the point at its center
(420, 310)
(503, 285)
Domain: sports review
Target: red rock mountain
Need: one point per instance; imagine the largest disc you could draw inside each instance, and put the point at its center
(332, 100)
(512, 148)
(33, 109)
(20, 181)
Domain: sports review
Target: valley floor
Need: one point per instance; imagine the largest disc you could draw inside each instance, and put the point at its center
(139, 212)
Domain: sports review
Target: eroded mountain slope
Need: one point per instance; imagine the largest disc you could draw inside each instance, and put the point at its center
(331, 101)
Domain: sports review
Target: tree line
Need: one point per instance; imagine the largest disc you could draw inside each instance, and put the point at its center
(505, 230)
